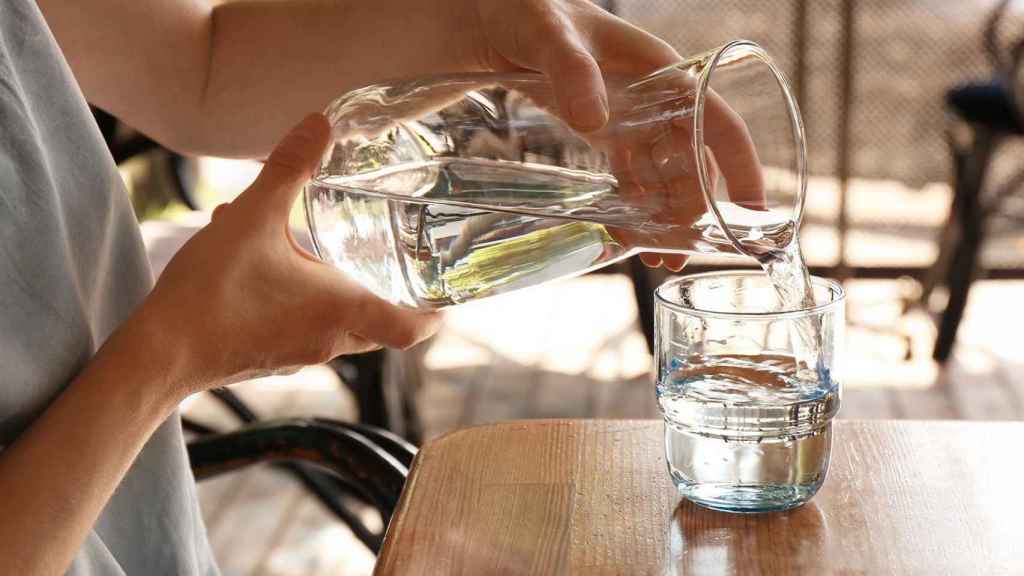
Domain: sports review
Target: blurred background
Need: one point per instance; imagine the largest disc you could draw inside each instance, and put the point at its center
(915, 202)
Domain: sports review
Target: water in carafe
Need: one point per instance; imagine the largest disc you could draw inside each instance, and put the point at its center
(468, 229)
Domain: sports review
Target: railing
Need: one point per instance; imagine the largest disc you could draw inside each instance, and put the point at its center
(870, 76)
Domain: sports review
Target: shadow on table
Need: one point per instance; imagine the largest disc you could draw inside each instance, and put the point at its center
(702, 541)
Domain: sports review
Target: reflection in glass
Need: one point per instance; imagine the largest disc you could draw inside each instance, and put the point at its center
(700, 541)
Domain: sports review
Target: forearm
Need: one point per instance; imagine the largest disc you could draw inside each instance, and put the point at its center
(56, 477)
(230, 79)
(272, 62)
(227, 78)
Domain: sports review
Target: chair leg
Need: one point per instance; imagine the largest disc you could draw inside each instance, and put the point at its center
(935, 276)
(643, 291)
(949, 235)
(325, 488)
(364, 375)
(949, 238)
(403, 382)
(963, 267)
(962, 271)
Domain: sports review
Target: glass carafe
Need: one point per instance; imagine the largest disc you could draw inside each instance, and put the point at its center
(440, 190)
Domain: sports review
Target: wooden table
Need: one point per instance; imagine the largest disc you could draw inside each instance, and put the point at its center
(594, 497)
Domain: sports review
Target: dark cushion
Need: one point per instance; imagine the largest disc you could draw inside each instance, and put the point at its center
(990, 104)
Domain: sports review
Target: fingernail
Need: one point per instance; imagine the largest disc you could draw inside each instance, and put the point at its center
(589, 112)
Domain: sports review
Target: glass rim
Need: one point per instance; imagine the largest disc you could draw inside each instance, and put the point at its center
(725, 54)
(834, 287)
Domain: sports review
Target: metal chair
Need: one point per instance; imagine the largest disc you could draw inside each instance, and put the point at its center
(333, 460)
(985, 115)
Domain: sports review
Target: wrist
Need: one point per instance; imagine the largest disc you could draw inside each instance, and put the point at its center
(146, 355)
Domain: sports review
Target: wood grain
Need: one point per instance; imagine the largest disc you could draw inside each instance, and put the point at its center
(593, 497)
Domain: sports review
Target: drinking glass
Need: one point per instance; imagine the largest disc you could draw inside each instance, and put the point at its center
(443, 189)
(748, 418)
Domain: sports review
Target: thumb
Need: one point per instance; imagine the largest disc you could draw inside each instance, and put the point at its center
(357, 311)
(289, 166)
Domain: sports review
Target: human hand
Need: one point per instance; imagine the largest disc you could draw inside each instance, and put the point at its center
(649, 142)
(655, 177)
(571, 42)
(576, 44)
(242, 299)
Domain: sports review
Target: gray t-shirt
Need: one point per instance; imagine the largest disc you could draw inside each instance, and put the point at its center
(72, 268)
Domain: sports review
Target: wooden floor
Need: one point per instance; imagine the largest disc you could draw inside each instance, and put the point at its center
(572, 349)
